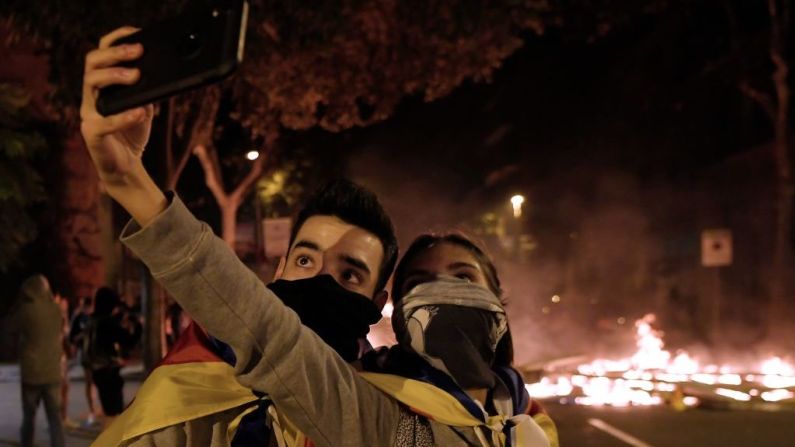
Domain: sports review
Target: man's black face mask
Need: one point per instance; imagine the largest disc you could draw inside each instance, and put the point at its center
(340, 317)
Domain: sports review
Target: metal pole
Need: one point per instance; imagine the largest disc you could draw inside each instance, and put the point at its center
(258, 236)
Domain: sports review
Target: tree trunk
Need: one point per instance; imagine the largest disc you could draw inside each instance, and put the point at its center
(152, 293)
(111, 250)
(777, 108)
(227, 202)
(152, 302)
(229, 222)
(782, 256)
(79, 269)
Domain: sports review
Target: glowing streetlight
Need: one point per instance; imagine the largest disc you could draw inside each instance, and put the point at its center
(517, 202)
(252, 155)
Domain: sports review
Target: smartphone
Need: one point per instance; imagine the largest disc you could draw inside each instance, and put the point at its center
(201, 46)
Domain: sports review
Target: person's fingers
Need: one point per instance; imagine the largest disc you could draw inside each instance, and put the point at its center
(103, 57)
(97, 79)
(108, 39)
(106, 57)
(96, 60)
(98, 126)
(149, 111)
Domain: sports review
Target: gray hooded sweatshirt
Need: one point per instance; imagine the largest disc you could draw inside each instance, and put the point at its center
(40, 324)
(308, 382)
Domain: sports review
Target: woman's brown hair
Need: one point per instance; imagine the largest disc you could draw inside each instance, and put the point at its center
(504, 353)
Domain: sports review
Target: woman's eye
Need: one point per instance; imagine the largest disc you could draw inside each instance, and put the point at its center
(465, 276)
(303, 261)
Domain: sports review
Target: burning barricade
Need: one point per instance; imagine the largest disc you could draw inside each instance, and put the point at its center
(653, 376)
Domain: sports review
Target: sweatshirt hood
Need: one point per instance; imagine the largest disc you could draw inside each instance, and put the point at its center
(36, 288)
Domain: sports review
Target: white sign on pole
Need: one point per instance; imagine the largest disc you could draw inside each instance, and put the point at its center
(276, 235)
(716, 247)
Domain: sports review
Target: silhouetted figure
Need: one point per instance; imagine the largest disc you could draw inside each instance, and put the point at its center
(40, 326)
(105, 336)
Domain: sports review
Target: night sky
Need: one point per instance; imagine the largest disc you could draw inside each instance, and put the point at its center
(562, 113)
(624, 147)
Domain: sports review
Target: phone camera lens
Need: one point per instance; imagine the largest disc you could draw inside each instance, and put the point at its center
(190, 45)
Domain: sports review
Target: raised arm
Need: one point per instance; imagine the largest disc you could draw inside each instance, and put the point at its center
(307, 380)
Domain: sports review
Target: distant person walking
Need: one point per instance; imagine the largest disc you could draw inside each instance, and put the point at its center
(77, 332)
(40, 326)
(106, 336)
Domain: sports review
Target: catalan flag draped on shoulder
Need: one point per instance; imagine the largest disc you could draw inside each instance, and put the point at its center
(191, 382)
(509, 418)
(312, 384)
(194, 381)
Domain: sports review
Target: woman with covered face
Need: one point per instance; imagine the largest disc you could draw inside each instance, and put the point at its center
(452, 332)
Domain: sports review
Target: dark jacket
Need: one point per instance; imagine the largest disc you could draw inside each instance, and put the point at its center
(108, 339)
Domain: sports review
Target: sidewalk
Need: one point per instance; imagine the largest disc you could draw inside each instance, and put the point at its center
(11, 407)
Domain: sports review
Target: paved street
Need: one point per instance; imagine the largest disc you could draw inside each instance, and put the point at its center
(663, 427)
(578, 426)
(11, 409)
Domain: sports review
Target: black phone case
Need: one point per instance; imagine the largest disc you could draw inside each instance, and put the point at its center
(198, 48)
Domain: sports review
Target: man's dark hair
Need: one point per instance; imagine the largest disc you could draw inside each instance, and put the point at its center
(358, 206)
(86, 301)
(105, 301)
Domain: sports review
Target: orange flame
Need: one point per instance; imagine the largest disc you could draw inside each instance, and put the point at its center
(651, 376)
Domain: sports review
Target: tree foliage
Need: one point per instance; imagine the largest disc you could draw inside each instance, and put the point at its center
(350, 63)
(336, 64)
(21, 185)
(591, 20)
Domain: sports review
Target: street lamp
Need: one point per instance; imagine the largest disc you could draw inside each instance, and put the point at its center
(517, 202)
(252, 155)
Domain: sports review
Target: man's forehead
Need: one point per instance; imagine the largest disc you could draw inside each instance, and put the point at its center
(330, 231)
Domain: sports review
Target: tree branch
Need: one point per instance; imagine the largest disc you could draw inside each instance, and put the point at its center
(252, 176)
(202, 129)
(763, 99)
(216, 162)
(777, 37)
(200, 133)
(183, 161)
(211, 178)
(780, 74)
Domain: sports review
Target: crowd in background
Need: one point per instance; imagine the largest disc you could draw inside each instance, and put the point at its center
(98, 335)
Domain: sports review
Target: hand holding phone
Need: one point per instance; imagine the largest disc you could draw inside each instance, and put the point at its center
(116, 142)
(201, 46)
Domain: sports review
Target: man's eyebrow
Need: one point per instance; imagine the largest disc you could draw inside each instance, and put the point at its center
(456, 265)
(356, 262)
(307, 244)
